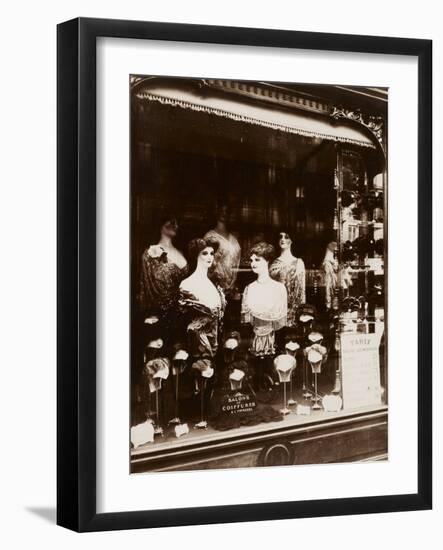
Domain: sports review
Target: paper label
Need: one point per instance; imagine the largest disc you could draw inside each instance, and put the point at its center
(360, 368)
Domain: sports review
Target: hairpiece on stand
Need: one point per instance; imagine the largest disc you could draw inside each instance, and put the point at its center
(349, 251)
(204, 368)
(379, 247)
(284, 365)
(348, 197)
(156, 371)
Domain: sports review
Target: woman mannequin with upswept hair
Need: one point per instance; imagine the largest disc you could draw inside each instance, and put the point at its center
(227, 258)
(290, 271)
(264, 303)
(201, 300)
(163, 267)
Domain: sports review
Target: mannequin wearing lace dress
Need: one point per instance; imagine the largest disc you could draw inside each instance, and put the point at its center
(290, 271)
(330, 267)
(163, 267)
(264, 304)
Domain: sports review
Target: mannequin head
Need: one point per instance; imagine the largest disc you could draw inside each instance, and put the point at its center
(205, 258)
(221, 217)
(284, 241)
(202, 253)
(332, 246)
(168, 226)
(261, 255)
(222, 213)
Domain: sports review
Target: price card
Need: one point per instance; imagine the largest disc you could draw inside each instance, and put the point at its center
(360, 367)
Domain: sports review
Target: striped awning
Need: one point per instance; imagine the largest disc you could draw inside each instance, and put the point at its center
(293, 122)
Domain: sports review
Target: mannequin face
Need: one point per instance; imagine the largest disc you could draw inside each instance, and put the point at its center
(258, 264)
(206, 257)
(169, 229)
(284, 241)
(222, 214)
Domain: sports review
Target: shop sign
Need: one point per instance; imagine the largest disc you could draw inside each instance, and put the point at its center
(238, 403)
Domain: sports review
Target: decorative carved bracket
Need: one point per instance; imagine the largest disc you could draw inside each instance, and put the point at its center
(373, 123)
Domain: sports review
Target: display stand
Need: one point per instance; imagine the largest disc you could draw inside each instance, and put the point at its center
(203, 424)
(284, 365)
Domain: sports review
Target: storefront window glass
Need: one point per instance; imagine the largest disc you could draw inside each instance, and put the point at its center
(257, 280)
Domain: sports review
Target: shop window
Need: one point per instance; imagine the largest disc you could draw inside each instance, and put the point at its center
(255, 300)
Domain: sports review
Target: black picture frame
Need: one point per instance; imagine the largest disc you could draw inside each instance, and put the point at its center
(76, 280)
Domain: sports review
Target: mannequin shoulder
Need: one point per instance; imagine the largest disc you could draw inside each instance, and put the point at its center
(234, 241)
(147, 252)
(280, 288)
(188, 284)
(177, 258)
(277, 284)
(211, 234)
(152, 252)
(188, 289)
(251, 286)
(299, 266)
(247, 290)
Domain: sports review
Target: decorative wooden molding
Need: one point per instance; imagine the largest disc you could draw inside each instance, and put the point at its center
(264, 92)
(373, 123)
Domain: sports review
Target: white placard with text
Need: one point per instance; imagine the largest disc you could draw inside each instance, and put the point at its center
(360, 369)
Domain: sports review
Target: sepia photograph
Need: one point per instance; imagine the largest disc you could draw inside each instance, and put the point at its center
(258, 273)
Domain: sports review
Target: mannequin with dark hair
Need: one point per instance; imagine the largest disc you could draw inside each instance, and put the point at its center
(168, 231)
(227, 259)
(163, 267)
(290, 271)
(201, 301)
(264, 303)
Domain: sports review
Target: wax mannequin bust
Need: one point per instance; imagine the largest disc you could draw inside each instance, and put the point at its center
(290, 270)
(162, 269)
(227, 258)
(167, 232)
(201, 301)
(330, 267)
(198, 283)
(264, 303)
